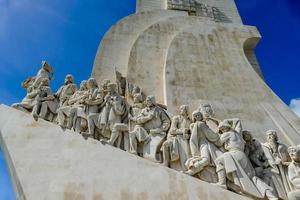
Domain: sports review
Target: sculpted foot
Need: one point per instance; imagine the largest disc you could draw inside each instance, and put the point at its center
(35, 117)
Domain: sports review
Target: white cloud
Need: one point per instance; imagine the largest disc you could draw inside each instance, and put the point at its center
(295, 106)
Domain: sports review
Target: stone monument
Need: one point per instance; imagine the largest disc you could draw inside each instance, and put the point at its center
(128, 133)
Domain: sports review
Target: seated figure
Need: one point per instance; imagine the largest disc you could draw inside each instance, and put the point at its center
(204, 149)
(234, 169)
(31, 85)
(28, 102)
(150, 131)
(294, 173)
(176, 148)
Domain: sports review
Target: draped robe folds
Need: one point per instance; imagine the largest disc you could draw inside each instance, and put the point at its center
(279, 171)
(294, 178)
(112, 113)
(178, 142)
(238, 167)
(204, 150)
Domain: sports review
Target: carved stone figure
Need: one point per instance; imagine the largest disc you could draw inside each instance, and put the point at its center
(120, 131)
(44, 94)
(176, 148)
(61, 98)
(294, 173)
(27, 103)
(277, 158)
(208, 115)
(74, 110)
(90, 106)
(253, 150)
(234, 169)
(44, 73)
(112, 113)
(150, 131)
(204, 150)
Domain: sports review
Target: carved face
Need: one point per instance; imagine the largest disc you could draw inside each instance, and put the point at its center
(197, 116)
(271, 136)
(68, 79)
(137, 98)
(83, 85)
(150, 101)
(111, 88)
(247, 135)
(294, 153)
(184, 110)
(207, 111)
(92, 83)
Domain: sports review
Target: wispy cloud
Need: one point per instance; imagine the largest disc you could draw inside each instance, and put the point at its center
(295, 106)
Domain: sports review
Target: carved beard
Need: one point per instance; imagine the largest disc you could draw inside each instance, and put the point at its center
(273, 145)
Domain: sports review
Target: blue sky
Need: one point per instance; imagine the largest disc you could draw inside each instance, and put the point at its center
(67, 34)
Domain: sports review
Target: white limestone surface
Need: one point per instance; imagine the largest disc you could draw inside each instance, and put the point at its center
(191, 60)
(52, 164)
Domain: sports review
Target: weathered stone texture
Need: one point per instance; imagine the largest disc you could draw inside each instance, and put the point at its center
(52, 164)
(190, 60)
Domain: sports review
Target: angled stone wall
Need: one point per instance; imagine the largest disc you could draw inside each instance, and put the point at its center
(52, 164)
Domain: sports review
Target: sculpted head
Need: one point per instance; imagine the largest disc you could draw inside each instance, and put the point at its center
(69, 79)
(224, 127)
(112, 88)
(206, 110)
(294, 153)
(271, 136)
(247, 135)
(150, 101)
(92, 83)
(184, 110)
(197, 116)
(83, 85)
(138, 98)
